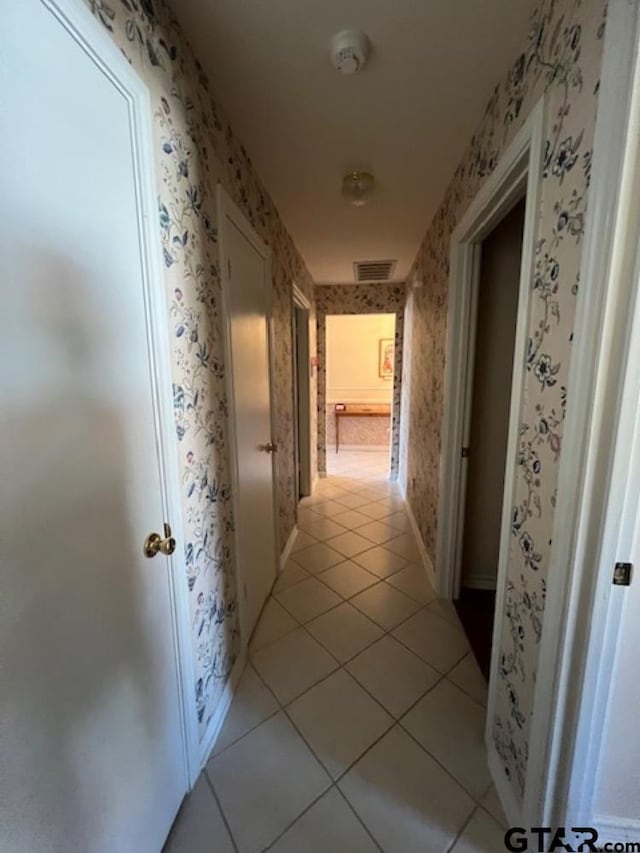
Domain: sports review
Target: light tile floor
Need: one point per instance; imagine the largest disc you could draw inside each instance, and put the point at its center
(358, 723)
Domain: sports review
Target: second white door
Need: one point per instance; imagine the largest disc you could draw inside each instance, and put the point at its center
(246, 274)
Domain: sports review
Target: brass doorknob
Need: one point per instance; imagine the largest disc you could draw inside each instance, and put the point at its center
(270, 447)
(154, 543)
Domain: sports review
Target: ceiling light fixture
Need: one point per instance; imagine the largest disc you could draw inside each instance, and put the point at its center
(349, 51)
(357, 187)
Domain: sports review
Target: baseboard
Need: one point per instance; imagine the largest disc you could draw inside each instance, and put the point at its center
(363, 447)
(512, 809)
(314, 482)
(426, 559)
(208, 740)
(480, 583)
(619, 831)
(288, 548)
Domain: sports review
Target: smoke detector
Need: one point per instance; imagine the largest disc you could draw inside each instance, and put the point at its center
(349, 50)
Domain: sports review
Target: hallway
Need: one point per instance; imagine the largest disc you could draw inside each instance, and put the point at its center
(303, 269)
(358, 723)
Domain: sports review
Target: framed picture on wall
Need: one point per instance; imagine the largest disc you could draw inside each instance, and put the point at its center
(385, 358)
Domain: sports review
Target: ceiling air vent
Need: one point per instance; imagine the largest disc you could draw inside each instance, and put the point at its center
(374, 270)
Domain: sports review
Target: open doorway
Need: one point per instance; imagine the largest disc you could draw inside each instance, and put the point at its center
(360, 369)
(492, 269)
(488, 401)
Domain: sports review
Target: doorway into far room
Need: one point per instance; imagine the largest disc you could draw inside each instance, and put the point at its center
(489, 400)
(360, 361)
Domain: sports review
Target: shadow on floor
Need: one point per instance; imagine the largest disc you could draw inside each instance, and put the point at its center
(475, 608)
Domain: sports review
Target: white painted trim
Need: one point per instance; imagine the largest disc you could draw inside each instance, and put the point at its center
(226, 208)
(91, 36)
(424, 555)
(214, 726)
(472, 265)
(617, 831)
(519, 167)
(359, 447)
(302, 396)
(486, 583)
(300, 298)
(404, 432)
(503, 786)
(579, 631)
(386, 390)
(288, 548)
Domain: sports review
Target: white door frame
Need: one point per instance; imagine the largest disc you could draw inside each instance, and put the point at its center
(91, 36)
(226, 208)
(590, 524)
(519, 170)
(302, 396)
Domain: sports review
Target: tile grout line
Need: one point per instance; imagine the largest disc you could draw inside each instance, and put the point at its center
(396, 720)
(462, 830)
(358, 818)
(270, 716)
(335, 782)
(281, 709)
(374, 542)
(378, 579)
(221, 810)
(386, 632)
(464, 690)
(340, 665)
(345, 600)
(438, 762)
(298, 817)
(370, 520)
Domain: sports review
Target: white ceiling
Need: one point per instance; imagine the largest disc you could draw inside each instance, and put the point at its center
(407, 117)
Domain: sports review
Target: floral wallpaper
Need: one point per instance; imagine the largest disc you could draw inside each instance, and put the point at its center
(359, 299)
(194, 150)
(562, 57)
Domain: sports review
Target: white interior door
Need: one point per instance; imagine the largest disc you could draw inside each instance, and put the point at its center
(605, 772)
(92, 754)
(616, 798)
(248, 302)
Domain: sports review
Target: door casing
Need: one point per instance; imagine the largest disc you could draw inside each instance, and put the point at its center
(591, 530)
(518, 172)
(302, 392)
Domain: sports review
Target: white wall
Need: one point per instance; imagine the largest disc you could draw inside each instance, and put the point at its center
(352, 358)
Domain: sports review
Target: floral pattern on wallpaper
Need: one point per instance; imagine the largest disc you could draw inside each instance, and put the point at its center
(359, 299)
(195, 149)
(562, 58)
